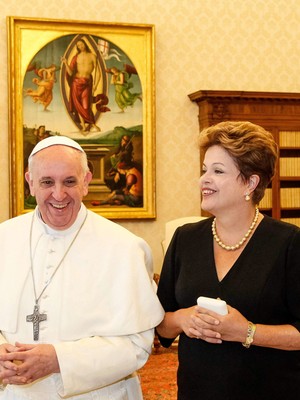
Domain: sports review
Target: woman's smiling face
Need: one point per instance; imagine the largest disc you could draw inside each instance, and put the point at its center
(220, 183)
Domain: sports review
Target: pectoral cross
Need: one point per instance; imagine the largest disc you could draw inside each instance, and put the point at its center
(36, 318)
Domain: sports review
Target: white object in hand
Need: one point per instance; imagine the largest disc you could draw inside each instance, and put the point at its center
(217, 305)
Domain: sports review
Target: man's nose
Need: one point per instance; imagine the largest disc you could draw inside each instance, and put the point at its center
(59, 192)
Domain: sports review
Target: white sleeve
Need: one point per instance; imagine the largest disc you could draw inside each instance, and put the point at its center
(92, 363)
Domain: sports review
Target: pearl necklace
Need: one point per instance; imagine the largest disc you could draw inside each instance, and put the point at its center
(242, 241)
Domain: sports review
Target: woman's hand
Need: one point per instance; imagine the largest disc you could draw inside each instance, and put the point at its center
(174, 323)
(187, 318)
(214, 328)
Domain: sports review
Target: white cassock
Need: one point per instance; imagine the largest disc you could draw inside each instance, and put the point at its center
(101, 305)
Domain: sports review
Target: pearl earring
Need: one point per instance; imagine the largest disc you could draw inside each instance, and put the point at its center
(247, 197)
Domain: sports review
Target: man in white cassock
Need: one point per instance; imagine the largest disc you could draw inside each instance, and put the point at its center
(78, 304)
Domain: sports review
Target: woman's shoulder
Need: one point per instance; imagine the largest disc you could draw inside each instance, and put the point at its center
(203, 224)
(279, 224)
(194, 229)
(274, 227)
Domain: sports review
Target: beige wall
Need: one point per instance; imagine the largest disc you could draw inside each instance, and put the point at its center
(200, 44)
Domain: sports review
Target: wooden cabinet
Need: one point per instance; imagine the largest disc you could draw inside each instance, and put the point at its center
(279, 113)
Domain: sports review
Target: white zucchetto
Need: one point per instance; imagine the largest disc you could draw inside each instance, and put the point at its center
(54, 141)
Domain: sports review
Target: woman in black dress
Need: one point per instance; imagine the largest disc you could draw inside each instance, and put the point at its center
(245, 258)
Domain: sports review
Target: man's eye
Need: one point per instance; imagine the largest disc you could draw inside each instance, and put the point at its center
(70, 182)
(46, 183)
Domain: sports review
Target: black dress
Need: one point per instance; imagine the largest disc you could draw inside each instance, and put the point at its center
(263, 284)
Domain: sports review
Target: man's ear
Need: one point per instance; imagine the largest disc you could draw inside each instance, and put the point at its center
(87, 179)
(29, 181)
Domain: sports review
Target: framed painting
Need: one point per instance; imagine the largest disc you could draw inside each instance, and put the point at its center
(92, 82)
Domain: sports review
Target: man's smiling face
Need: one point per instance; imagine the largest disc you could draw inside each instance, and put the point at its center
(59, 183)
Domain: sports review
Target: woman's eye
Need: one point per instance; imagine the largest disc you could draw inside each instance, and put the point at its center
(218, 171)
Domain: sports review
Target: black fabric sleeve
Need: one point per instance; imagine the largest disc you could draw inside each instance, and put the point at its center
(293, 279)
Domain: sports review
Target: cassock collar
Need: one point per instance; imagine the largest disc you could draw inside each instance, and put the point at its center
(54, 232)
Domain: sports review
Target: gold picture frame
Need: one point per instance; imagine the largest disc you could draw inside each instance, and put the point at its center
(41, 53)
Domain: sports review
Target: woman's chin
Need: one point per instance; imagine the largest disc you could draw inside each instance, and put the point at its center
(206, 207)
